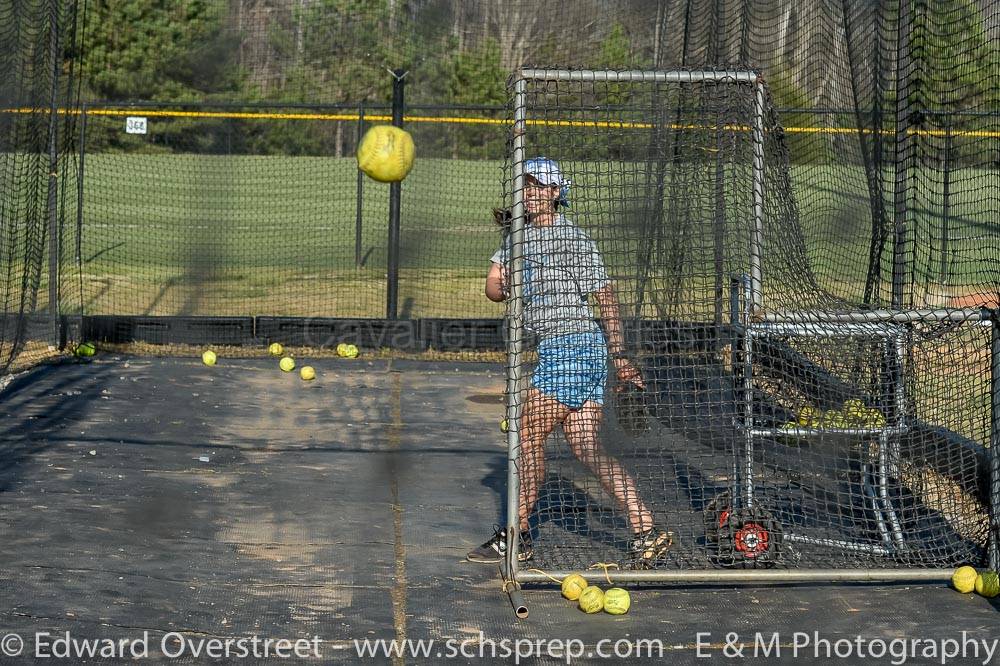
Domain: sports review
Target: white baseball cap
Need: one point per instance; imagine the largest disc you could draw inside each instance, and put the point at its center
(547, 172)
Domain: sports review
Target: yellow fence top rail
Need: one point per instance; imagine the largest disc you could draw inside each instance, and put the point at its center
(456, 120)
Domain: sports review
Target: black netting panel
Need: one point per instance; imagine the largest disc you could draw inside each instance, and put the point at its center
(33, 136)
(880, 141)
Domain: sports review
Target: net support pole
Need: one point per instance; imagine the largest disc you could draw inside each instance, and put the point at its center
(753, 300)
(743, 472)
(395, 196)
(994, 451)
(673, 76)
(719, 239)
(515, 331)
(359, 196)
(55, 334)
(78, 258)
(757, 232)
(903, 149)
(943, 277)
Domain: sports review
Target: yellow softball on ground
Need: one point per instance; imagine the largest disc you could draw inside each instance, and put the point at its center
(988, 584)
(275, 349)
(853, 405)
(829, 418)
(287, 364)
(86, 349)
(504, 426)
(208, 358)
(874, 418)
(964, 579)
(807, 415)
(591, 599)
(617, 601)
(386, 153)
(342, 349)
(573, 585)
(351, 351)
(307, 373)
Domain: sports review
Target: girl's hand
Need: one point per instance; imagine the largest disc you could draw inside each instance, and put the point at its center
(628, 373)
(496, 283)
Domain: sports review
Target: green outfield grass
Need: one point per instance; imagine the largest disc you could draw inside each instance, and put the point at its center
(202, 234)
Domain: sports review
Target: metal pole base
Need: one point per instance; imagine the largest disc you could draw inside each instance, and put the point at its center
(513, 590)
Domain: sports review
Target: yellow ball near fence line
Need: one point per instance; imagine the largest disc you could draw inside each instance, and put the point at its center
(342, 349)
(351, 351)
(807, 415)
(988, 584)
(275, 349)
(208, 358)
(573, 585)
(873, 418)
(86, 349)
(853, 405)
(386, 153)
(830, 419)
(504, 426)
(617, 601)
(964, 579)
(592, 599)
(287, 364)
(307, 373)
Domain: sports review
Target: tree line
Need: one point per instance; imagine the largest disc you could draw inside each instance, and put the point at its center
(460, 53)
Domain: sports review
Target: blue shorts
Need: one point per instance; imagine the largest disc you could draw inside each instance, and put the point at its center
(572, 368)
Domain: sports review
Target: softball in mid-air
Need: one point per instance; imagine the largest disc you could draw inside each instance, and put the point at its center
(386, 153)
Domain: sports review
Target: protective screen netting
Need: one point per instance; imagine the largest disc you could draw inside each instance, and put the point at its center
(781, 422)
(891, 135)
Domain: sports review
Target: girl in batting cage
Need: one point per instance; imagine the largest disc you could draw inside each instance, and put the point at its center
(562, 268)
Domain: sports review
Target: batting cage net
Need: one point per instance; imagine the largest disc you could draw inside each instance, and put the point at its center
(252, 110)
(34, 174)
(802, 246)
(214, 224)
(688, 390)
